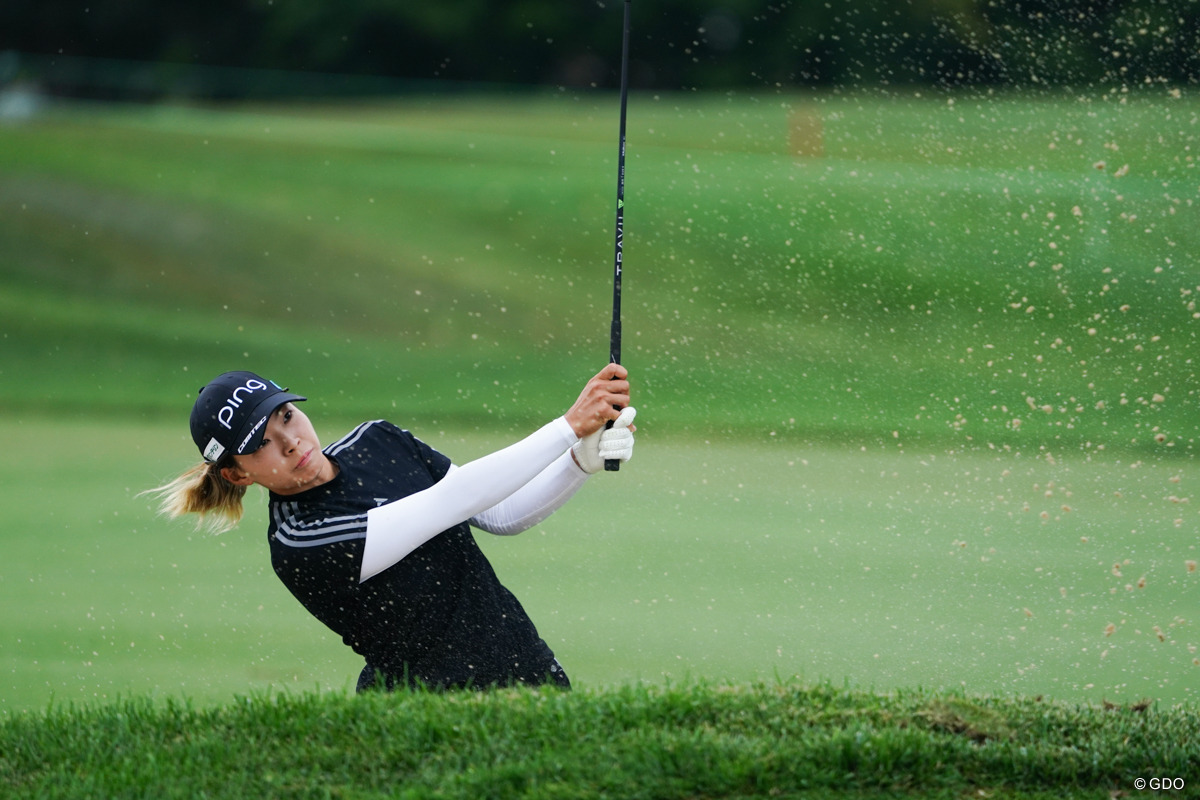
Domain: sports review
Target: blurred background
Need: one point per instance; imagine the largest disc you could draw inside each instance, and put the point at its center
(910, 301)
(146, 50)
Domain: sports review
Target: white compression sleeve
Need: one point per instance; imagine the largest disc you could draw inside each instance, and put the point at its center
(396, 529)
(535, 501)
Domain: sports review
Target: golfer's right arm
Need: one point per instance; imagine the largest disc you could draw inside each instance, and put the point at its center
(396, 529)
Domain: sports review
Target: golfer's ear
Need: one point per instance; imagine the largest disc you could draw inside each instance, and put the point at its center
(236, 476)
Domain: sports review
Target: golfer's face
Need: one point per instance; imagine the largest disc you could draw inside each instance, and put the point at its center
(290, 459)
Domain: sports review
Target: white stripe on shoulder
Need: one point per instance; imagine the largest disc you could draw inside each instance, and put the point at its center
(350, 438)
(291, 530)
(320, 542)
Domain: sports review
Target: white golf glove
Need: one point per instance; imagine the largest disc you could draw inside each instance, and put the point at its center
(607, 443)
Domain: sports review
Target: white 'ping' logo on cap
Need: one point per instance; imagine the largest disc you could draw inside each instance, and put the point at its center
(225, 415)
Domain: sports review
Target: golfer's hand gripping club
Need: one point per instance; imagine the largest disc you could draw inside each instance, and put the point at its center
(594, 451)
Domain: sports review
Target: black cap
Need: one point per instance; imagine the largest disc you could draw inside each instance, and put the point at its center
(231, 413)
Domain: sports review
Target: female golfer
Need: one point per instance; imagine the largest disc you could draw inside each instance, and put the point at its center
(372, 536)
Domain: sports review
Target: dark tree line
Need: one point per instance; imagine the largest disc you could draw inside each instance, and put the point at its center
(677, 44)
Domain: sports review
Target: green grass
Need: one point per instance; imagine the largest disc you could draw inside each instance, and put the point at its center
(681, 741)
(953, 269)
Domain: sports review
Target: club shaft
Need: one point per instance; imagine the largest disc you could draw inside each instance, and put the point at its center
(614, 336)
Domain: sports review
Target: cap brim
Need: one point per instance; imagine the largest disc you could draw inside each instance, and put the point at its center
(251, 435)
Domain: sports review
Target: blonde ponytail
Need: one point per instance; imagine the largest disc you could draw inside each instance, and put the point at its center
(202, 491)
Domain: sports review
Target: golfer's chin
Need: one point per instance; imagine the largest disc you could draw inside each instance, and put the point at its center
(312, 471)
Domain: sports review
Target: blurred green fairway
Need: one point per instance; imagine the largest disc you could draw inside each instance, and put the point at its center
(916, 377)
(726, 560)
